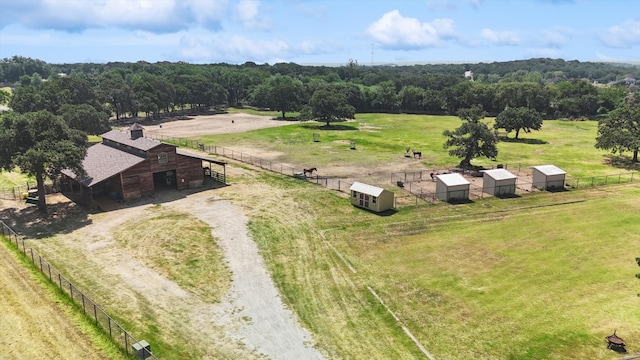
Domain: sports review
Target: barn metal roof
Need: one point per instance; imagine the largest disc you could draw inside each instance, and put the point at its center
(103, 162)
(549, 170)
(453, 179)
(366, 189)
(499, 174)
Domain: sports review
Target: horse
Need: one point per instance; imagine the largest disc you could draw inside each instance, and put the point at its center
(417, 154)
(309, 171)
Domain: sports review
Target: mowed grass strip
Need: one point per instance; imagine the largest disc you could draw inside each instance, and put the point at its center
(180, 248)
(543, 282)
(383, 138)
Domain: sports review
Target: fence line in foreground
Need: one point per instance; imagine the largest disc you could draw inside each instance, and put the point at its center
(117, 333)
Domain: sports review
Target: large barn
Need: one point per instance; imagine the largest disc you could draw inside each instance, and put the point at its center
(452, 187)
(126, 165)
(548, 177)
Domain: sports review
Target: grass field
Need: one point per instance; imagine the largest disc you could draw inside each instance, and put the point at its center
(523, 279)
(382, 139)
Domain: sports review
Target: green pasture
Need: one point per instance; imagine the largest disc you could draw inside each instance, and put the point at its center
(382, 138)
(11, 179)
(546, 276)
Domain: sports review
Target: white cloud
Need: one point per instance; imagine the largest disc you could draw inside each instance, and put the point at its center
(232, 49)
(248, 11)
(625, 35)
(501, 38)
(161, 16)
(395, 31)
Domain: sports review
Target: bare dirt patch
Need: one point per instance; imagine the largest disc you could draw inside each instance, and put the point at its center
(213, 124)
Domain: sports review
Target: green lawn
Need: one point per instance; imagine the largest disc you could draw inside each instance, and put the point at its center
(545, 276)
(380, 138)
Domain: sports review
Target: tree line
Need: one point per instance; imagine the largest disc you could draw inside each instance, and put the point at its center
(553, 88)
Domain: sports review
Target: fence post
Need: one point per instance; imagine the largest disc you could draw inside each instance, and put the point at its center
(83, 307)
(60, 281)
(71, 290)
(108, 321)
(49, 267)
(32, 260)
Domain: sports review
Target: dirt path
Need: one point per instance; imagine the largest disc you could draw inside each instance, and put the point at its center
(252, 313)
(32, 326)
(268, 327)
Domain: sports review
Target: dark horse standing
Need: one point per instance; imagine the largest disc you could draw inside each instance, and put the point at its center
(309, 171)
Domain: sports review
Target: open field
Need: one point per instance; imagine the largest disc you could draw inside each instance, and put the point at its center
(543, 276)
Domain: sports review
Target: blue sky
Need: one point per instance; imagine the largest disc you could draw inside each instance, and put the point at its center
(320, 31)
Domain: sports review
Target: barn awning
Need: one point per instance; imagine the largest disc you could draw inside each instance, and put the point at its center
(190, 154)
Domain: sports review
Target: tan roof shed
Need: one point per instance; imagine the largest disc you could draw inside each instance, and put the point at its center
(371, 197)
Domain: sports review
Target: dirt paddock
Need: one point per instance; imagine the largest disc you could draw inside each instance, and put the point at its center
(212, 125)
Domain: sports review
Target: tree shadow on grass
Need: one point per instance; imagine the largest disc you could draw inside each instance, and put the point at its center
(61, 218)
(330, 127)
(523, 141)
(622, 162)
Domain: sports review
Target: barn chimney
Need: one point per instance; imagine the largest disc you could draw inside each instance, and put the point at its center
(136, 131)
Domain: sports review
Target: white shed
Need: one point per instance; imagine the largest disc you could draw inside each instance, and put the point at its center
(371, 197)
(548, 177)
(498, 182)
(451, 187)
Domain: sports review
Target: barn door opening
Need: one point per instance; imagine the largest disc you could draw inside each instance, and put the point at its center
(364, 200)
(164, 180)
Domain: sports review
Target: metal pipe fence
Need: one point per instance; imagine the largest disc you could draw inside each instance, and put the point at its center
(408, 181)
(88, 306)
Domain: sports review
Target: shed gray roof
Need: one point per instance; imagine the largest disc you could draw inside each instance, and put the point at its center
(366, 189)
(141, 143)
(453, 179)
(499, 174)
(102, 162)
(549, 170)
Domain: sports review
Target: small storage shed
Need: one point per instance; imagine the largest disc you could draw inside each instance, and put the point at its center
(498, 182)
(452, 187)
(371, 197)
(548, 177)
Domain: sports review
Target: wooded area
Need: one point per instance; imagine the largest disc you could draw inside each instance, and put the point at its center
(553, 87)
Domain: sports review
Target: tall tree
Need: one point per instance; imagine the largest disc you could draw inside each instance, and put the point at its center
(473, 138)
(518, 118)
(328, 105)
(619, 131)
(41, 145)
(286, 94)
